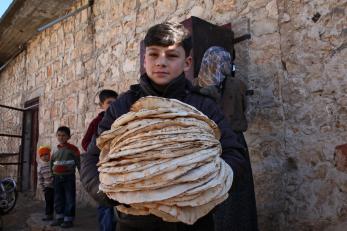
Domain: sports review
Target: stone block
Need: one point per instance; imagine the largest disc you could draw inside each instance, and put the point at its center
(272, 10)
(257, 4)
(79, 37)
(71, 104)
(102, 62)
(129, 26)
(129, 7)
(264, 26)
(166, 8)
(87, 49)
(144, 17)
(198, 11)
(129, 65)
(79, 68)
(340, 157)
(220, 6)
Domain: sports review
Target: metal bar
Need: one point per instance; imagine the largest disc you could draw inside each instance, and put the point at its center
(242, 38)
(13, 108)
(9, 135)
(11, 163)
(6, 154)
(55, 21)
(19, 109)
(30, 107)
(20, 49)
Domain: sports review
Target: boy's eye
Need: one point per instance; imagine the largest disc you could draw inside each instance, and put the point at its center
(153, 54)
(172, 55)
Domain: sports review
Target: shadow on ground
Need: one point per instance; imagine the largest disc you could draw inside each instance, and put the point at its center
(28, 212)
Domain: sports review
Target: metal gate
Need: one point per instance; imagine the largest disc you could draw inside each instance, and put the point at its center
(18, 140)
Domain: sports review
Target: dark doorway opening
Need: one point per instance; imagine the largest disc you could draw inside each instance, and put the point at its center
(28, 170)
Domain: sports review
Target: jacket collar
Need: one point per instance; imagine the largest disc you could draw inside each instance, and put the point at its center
(177, 88)
(63, 145)
(101, 114)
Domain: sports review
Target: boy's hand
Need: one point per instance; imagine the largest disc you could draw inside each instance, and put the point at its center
(105, 201)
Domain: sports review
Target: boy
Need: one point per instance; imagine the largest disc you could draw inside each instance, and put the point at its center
(106, 97)
(46, 181)
(63, 164)
(166, 59)
(105, 213)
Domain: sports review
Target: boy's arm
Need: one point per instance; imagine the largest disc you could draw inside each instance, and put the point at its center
(92, 128)
(51, 161)
(89, 174)
(77, 157)
(78, 162)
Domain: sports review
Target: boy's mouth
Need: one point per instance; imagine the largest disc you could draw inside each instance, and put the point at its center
(160, 73)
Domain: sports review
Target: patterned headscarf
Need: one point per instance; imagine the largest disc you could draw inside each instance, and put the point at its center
(215, 66)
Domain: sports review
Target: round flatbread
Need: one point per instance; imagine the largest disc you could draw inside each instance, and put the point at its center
(163, 158)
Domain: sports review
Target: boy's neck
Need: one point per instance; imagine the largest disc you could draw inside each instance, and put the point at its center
(63, 144)
(175, 89)
(159, 88)
(162, 88)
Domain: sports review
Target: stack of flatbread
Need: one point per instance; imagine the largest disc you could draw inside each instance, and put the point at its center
(163, 158)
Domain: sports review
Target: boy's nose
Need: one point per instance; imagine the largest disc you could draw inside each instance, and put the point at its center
(161, 61)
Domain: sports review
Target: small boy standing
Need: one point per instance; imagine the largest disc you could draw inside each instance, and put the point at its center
(105, 213)
(46, 181)
(63, 165)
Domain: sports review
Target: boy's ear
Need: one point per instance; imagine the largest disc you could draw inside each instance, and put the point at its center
(188, 63)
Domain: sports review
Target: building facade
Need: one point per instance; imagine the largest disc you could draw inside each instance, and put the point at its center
(295, 62)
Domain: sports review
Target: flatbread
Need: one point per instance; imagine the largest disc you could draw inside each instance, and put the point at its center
(163, 158)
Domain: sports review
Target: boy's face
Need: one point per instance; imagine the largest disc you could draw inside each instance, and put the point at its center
(45, 157)
(163, 64)
(107, 102)
(62, 137)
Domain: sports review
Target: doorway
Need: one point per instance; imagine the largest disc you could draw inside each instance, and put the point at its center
(28, 170)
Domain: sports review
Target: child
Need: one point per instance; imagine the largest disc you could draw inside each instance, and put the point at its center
(46, 181)
(106, 213)
(106, 97)
(63, 164)
(166, 59)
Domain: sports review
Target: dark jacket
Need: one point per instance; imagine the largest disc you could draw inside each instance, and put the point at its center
(234, 103)
(92, 129)
(65, 160)
(181, 89)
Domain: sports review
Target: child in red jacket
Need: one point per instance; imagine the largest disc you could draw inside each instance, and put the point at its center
(105, 213)
(106, 97)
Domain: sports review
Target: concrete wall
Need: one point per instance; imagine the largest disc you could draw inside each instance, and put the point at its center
(295, 65)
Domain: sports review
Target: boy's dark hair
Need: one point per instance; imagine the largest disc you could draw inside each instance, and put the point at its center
(105, 94)
(167, 34)
(64, 129)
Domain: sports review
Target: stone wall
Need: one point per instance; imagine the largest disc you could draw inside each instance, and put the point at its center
(295, 63)
(314, 102)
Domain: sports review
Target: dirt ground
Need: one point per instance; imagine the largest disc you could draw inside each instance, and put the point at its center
(28, 212)
(25, 206)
